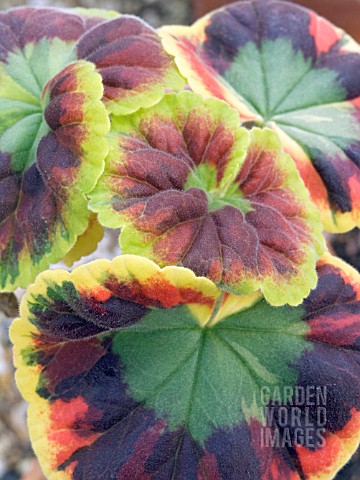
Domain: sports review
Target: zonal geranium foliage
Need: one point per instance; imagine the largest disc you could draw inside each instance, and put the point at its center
(48, 161)
(137, 372)
(52, 122)
(193, 188)
(35, 43)
(285, 67)
(135, 69)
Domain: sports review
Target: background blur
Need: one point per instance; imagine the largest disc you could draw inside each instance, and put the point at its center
(17, 461)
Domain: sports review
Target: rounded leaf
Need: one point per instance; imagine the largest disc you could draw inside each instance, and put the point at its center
(193, 188)
(50, 157)
(52, 122)
(133, 371)
(135, 69)
(285, 67)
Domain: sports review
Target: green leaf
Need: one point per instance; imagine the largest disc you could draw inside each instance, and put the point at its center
(192, 188)
(284, 67)
(133, 371)
(51, 131)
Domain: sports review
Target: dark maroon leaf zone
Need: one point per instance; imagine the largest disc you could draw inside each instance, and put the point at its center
(341, 381)
(9, 187)
(334, 303)
(133, 294)
(32, 202)
(274, 209)
(334, 372)
(67, 317)
(24, 25)
(74, 363)
(142, 446)
(181, 224)
(66, 106)
(70, 316)
(147, 171)
(276, 463)
(65, 110)
(333, 314)
(335, 173)
(353, 150)
(259, 20)
(238, 24)
(10, 183)
(332, 365)
(132, 429)
(128, 55)
(165, 159)
(194, 139)
(36, 212)
(347, 67)
(58, 169)
(39, 191)
(28, 214)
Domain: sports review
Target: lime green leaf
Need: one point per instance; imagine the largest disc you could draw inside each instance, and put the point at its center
(192, 188)
(51, 130)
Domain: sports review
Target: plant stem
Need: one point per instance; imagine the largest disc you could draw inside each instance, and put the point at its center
(216, 309)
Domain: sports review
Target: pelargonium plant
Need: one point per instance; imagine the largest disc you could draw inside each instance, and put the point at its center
(224, 343)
